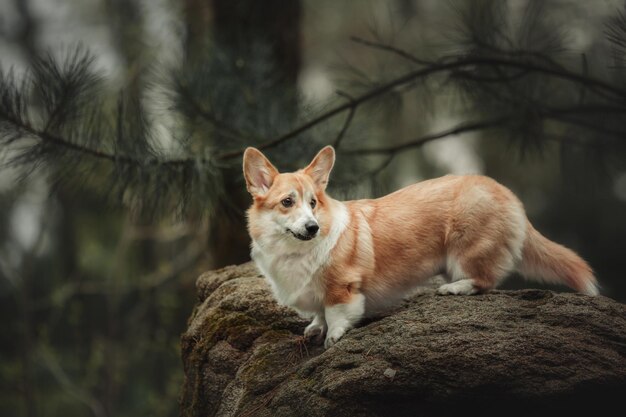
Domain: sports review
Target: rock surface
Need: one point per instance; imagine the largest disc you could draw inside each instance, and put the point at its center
(528, 352)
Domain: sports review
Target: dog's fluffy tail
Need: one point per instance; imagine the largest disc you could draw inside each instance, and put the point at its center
(550, 262)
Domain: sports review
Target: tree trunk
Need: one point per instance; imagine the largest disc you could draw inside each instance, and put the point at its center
(240, 26)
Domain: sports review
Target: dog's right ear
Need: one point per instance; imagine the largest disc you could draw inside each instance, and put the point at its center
(258, 172)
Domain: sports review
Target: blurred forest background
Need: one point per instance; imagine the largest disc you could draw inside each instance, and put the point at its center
(122, 124)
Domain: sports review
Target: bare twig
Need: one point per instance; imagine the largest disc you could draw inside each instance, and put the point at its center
(457, 130)
(380, 168)
(554, 114)
(498, 79)
(388, 48)
(346, 124)
(620, 134)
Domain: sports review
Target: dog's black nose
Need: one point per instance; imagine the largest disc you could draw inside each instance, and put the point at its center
(311, 227)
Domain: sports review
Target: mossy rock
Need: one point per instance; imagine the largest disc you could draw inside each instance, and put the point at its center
(528, 352)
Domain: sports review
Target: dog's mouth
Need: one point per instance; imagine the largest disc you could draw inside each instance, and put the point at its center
(299, 236)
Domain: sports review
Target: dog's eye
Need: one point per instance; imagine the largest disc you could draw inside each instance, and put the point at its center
(313, 203)
(287, 202)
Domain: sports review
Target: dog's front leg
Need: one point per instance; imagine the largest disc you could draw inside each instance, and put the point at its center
(341, 317)
(317, 328)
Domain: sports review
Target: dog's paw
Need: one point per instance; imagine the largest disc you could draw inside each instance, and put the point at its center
(333, 336)
(315, 331)
(461, 287)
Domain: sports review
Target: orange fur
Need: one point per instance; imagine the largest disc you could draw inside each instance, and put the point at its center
(470, 227)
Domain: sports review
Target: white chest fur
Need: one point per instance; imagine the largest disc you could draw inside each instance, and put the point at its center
(293, 268)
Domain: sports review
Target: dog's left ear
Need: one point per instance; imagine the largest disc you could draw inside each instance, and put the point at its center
(319, 169)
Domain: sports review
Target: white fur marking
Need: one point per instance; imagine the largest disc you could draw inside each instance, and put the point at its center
(454, 269)
(342, 317)
(317, 328)
(591, 289)
(461, 287)
(304, 216)
(293, 267)
(520, 228)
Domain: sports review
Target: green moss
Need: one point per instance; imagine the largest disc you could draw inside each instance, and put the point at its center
(276, 335)
(236, 327)
(254, 369)
(240, 330)
(223, 325)
(269, 356)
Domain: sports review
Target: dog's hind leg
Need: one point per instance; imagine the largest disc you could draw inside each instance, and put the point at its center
(476, 272)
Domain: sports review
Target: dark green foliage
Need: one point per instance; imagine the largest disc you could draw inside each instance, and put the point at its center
(71, 130)
(96, 304)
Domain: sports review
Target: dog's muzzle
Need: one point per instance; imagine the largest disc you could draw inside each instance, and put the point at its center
(311, 231)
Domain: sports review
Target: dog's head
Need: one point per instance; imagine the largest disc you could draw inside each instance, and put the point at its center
(292, 205)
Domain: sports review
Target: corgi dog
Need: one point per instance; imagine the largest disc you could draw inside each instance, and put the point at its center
(337, 261)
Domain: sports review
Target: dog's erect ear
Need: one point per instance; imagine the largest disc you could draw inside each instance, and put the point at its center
(319, 169)
(258, 171)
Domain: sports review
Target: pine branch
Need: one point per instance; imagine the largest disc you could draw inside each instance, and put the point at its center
(116, 157)
(56, 118)
(615, 30)
(352, 104)
(69, 129)
(48, 138)
(441, 67)
(224, 128)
